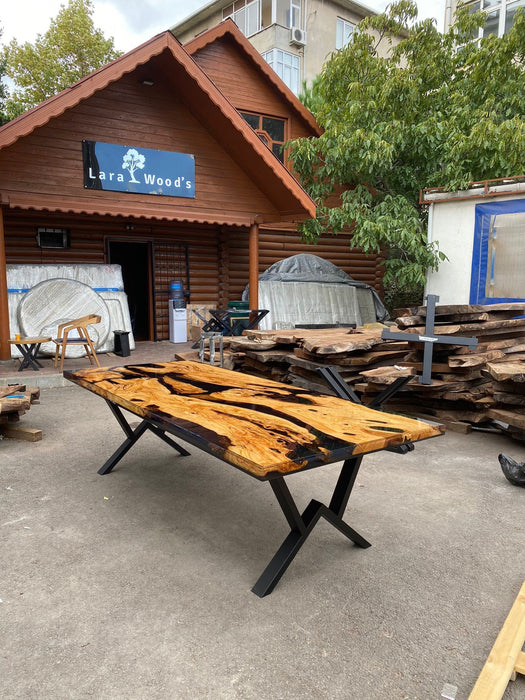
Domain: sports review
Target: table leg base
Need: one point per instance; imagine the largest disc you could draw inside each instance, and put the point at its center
(301, 525)
(295, 540)
(133, 436)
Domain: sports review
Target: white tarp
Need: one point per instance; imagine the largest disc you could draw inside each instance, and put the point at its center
(102, 281)
(306, 289)
(99, 277)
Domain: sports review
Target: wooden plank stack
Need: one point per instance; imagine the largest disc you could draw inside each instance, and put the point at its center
(294, 356)
(465, 388)
(484, 386)
(15, 400)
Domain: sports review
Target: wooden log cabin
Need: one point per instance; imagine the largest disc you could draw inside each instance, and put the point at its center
(215, 102)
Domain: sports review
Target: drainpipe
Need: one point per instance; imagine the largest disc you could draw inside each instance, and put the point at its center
(430, 236)
(254, 266)
(5, 348)
(448, 15)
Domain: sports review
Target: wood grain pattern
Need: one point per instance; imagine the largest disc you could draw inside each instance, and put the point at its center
(258, 425)
(505, 657)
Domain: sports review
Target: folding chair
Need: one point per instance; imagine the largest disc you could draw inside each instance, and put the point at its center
(63, 340)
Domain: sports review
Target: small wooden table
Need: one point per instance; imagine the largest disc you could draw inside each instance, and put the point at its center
(29, 348)
(267, 429)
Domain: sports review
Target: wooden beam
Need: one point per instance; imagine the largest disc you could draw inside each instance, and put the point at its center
(505, 657)
(18, 432)
(519, 666)
(5, 348)
(254, 266)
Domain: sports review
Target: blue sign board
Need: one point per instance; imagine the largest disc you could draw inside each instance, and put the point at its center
(108, 166)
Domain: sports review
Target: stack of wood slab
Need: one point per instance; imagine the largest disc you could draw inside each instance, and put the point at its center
(15, 400)
(295, 356)
(484, 386)
(480, 386)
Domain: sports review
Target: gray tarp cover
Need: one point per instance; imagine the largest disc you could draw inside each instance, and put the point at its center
(310, 268)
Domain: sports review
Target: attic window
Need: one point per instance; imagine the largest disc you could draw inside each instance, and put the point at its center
(270, 130)
(52, 237)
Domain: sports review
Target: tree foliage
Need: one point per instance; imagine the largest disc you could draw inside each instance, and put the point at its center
(70, 49)
(439, 110)
(3, 89)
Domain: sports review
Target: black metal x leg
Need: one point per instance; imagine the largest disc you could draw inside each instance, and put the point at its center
(133, 436)
(301, 525)
(29, 353)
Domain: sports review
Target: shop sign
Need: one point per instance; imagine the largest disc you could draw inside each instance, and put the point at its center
(108, 166)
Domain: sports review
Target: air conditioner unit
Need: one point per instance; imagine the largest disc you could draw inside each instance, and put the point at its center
(297, 36)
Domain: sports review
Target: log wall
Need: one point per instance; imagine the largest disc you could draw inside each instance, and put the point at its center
(218, 258)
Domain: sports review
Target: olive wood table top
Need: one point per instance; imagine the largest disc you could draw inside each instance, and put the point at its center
(265, 428)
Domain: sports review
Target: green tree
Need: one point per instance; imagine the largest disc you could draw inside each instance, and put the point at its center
(69, 50)
(3, 89)
(439, 110)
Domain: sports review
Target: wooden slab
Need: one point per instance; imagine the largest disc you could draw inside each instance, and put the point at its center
(491, 345)
(503, 371)
(465, 329)
(512, 417)
(260, 426)
(19, 432)
(516, 308)
(245, 343)
(475, 359)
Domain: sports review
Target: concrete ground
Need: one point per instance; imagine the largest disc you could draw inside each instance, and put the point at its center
(137, 584)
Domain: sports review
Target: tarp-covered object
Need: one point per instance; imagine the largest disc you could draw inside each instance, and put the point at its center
(103, 281)
(306, 289)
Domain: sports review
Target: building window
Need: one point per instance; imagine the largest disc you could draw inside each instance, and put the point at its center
(246, 14)
(270, 130)
(287, 66)
(343, 33)
(294, 15)
(500, 15)
(288, 13)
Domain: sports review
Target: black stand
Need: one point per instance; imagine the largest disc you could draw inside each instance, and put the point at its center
(29, 353)
(302, 525)
(133, 436)
(429, 339)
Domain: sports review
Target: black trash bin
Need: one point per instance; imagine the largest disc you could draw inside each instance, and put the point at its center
(121, 343)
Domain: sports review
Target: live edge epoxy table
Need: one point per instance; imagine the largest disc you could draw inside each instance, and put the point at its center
(267, 429)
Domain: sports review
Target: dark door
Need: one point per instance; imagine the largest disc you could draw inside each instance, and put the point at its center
(134, 258)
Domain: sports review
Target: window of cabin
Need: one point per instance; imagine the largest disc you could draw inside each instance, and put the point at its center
(271, 131)
(343, 32)
(246, 14)
(287, 66)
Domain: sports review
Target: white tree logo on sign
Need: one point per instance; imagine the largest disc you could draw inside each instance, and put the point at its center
(133, 160)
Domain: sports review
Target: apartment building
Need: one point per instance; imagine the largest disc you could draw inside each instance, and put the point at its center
(294, 36)
(500, 14)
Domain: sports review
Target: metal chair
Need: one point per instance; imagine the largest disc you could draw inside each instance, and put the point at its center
(80, 325)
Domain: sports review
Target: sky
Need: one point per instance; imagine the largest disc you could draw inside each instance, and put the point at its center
(131, 22)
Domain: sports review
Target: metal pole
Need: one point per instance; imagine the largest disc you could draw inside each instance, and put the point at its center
(5, 348)
(254, 266)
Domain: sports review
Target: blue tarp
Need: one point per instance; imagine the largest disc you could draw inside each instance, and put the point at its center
(481, 264)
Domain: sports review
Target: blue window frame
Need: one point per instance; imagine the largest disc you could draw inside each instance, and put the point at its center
(498, 256)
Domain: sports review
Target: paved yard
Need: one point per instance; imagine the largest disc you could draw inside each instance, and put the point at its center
(137, 584)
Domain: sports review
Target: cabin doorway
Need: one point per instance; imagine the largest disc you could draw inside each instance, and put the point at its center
(135, 260)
